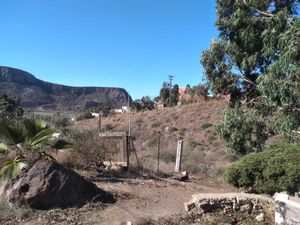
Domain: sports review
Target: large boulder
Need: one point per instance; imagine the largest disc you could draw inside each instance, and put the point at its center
(47, 184)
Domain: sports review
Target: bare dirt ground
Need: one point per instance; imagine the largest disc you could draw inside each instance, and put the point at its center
(151, 199)
(138, 199)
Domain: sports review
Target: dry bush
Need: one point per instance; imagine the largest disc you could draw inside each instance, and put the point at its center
(86, 151)
(10, 214)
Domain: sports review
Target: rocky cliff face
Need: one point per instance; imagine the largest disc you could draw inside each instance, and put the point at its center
(35, 93)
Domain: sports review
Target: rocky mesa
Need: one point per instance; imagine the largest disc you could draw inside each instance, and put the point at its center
(35, 93)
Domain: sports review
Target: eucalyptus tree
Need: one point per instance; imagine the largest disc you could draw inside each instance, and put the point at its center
(256, 59)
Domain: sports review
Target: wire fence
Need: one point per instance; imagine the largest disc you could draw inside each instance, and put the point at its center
(94, 146)
(90, 149)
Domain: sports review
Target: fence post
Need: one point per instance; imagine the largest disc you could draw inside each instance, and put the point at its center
(178, 156)
(100, 123)
(158, 151)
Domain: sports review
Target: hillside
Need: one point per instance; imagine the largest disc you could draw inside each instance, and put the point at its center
(35, 93)
(203, 151)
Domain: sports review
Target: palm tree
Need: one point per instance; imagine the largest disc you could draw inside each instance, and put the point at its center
(22, 136)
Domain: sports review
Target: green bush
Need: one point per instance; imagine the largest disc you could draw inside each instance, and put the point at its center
(84, 116)
(193, 143)
(274, 170)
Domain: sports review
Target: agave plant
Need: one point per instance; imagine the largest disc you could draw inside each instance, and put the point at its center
(22, 136)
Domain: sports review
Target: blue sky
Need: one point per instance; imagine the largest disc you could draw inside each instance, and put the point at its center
(134, 44)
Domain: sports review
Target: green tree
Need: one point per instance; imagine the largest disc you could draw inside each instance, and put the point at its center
(9, 107)
(256, 59)
(174, 98)
(137, 105)
(165, 94)
(147, 103)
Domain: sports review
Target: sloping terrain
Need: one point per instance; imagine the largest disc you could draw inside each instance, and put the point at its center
(203, 152)
(38, 94)
(144, 198)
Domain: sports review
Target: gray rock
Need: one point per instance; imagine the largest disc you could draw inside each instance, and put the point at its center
(189, 206)
(47, 184)
(181, 176)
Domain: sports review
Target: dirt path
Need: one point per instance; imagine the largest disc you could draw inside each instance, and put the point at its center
(137, 199)
(149, 199)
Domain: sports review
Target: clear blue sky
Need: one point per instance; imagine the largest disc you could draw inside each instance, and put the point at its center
(134, 44)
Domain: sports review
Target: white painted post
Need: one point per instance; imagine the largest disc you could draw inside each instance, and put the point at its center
(287, 210)
(178, 156)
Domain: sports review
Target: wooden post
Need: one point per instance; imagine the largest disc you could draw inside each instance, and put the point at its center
(158, 151)
(126, 150)
(178, 156)
(134, 150)
(100, 123)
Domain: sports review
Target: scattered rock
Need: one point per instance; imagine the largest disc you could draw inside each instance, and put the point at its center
(181, 177)
(47, 184)
(204, 206)
(245, 208)
(260, 217)
(228, 203)
(189, 206)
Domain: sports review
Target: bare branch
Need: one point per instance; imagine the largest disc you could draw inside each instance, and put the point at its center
(267, 14)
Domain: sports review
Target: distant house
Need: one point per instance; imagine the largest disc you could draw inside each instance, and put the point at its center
(181, 91)
(124, 109)
(96, 115)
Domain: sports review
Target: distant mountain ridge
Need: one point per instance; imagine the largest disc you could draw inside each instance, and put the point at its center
(38, 94)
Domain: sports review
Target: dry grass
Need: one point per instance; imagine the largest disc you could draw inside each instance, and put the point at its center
(203, 152)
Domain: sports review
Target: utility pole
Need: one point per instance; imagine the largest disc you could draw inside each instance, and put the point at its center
(171, 78)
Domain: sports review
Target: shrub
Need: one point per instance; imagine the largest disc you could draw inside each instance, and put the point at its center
(88, 149)
(206, 125)
(153, 141)
(168, 157)
(172, 129)
(84, 116)
(274, 170)
(109, 127)
(193, 143)
(155, 124)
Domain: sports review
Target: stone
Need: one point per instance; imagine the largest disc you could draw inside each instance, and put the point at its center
(204, 206)
(48, 184)
(189, 206)
(245, 208)
(181, 177)
(257, 207)
(235, 207)
(260, 217)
